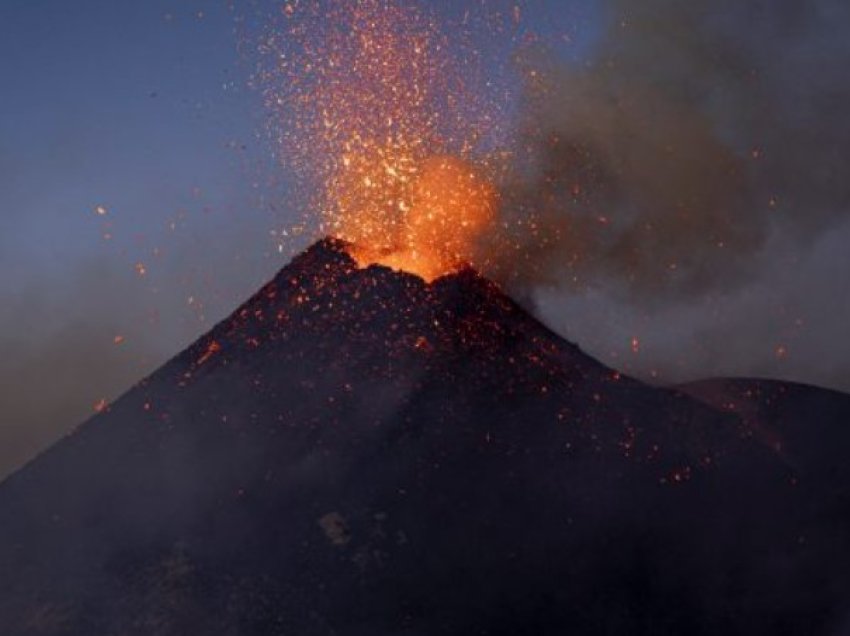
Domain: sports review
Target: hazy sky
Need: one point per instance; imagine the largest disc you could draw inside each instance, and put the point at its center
(143, 108)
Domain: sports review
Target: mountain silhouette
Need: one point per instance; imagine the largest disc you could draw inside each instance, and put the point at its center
(359, 453)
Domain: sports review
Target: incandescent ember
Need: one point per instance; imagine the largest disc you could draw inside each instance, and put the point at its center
(377, 112)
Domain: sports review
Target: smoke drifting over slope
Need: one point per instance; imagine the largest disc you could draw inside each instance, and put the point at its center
(697, 132)
(355, 452)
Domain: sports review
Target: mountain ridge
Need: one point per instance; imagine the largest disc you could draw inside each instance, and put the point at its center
(354, 451)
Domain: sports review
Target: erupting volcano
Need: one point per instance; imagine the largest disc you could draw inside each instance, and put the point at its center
(380, 442)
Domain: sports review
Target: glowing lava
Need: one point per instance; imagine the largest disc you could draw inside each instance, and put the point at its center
(451, 205)
(376, 111)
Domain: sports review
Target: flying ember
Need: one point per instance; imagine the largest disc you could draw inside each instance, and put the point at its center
(376, 113)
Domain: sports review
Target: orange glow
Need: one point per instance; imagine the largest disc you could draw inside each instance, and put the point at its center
(450, 205)
(376, 110)
(212, 348)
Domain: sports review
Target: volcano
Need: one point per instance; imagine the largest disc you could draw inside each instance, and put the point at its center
(360, 453)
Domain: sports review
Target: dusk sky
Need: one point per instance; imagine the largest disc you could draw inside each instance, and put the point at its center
(140, 194)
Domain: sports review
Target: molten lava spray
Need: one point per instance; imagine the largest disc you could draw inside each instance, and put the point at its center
(375, 109)
(450, 207)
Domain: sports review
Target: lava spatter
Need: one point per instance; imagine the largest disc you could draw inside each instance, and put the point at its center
(378, 112)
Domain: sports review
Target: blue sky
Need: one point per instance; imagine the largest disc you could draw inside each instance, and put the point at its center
(114, 104)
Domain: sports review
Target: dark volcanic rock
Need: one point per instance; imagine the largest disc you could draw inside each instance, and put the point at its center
(355, 452)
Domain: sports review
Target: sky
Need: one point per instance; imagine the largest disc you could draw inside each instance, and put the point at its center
(141, 195)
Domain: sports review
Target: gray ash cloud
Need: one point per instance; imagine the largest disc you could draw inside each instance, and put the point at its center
(696, 133)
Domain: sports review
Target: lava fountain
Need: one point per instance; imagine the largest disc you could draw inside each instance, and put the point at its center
(450, 207)
(376, 115)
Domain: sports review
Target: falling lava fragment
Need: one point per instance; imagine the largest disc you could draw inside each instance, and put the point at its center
(356, 451)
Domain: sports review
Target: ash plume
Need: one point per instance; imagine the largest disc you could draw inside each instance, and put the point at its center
(697, 133)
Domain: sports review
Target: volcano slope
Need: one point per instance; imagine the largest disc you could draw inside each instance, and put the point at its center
(355, 452)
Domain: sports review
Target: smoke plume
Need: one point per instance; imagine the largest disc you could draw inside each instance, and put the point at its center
(696, 132)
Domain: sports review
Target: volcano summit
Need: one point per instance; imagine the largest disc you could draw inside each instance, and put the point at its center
(357, 452)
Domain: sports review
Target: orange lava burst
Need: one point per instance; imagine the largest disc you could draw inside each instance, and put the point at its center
(450, 206)
(375, 109)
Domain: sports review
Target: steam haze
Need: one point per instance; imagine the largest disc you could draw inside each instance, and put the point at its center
(683, 194)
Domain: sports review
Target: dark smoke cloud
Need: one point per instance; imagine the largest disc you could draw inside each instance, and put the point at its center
(788, 321)
(698, 131)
